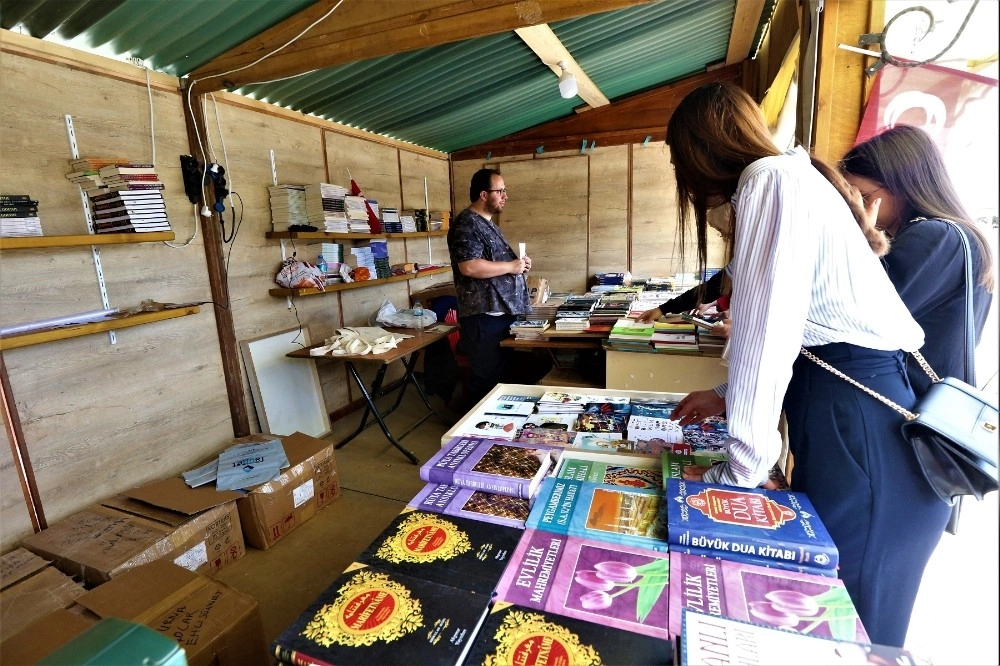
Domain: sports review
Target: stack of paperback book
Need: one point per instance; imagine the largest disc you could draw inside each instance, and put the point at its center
(130, 176)
(529, 329)
(19, 215)
(674, 336)
(391, 223)
(129, 211)
(357, 214)
(325, 207)
(288, 206)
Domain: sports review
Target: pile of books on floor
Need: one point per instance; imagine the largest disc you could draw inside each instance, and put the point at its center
(325, 207)
(19, 215)
(515, 553)
(288, 206)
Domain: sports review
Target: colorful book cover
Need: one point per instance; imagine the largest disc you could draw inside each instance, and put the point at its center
(643, 428)
(616, 514)
(602, 441)
(455, 551)
(471, 503)
(560, 398)
(492, 426)
(559, 421)
(775, 524)
(673, 464)
(610, 584)
(508, 397)
(372, 616)
(708, 435)
(616, 469)
(601, 422)
(706, 639)
(546, 436)
(512, 635)
(496, 466)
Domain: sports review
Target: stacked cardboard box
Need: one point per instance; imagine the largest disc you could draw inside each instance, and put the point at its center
(30, 588)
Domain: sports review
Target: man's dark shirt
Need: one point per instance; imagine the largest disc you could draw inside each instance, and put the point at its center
(472, 236)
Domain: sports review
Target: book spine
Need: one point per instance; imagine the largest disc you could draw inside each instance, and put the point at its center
(758, 561)
(293, 658)
(478, 481)
(5, 198)
(733, 547)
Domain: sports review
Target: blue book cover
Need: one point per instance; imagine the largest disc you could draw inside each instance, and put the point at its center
(778, 525)
(617, 514)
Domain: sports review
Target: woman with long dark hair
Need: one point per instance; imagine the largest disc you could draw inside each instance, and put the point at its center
(804, 275)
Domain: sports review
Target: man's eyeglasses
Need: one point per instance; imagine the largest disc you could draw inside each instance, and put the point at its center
(502, 190)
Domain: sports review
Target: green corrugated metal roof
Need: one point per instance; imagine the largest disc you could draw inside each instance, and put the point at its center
(445, 97)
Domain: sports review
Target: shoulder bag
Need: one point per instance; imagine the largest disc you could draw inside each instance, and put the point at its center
(953, 429)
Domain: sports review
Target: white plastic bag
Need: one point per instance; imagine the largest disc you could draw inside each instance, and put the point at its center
(295, 274)
(388, 315)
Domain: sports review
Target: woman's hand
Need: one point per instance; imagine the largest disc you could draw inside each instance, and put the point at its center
(650, 315)
(722, 328)
(697, 406)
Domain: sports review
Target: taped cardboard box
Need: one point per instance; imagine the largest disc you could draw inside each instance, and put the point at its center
(215, 624)
(270, 511)
(31, 588)
(197, 528)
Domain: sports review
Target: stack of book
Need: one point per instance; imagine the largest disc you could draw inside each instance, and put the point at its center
(364, 258)
(613, 279)
(380, 258)
(391, 223)
(325, 207)
(630, 334)
(357, 214)
(439, 220)
(128, 211)
(557, 402)
(19, 215)
(674, 336)
(288, 206)
(611, 307)
(130, 176)
(499, 418)
(529, 329)
(408, 224)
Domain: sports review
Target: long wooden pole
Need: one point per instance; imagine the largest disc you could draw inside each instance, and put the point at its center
(19, 451)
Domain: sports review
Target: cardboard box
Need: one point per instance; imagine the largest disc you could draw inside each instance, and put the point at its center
(215, 624)
(29, 589)
(271, 510)
(197, 528)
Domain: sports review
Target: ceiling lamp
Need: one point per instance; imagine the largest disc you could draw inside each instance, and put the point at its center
(567, 82)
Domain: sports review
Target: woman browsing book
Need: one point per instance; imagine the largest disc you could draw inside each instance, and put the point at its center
(804, 275)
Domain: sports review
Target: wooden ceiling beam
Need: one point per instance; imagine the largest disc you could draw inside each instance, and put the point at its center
(629, 120)
(363, 29)
(551, 51)
(745, 22)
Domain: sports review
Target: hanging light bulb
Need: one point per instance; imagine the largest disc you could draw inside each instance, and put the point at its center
(567, 82)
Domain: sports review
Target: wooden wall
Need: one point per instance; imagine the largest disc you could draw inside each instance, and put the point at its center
(100, 418)
(609, 209)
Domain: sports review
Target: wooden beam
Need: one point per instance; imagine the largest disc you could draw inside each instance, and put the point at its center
(19, 452)
(745, 22)
(363, 29)
(626, 121)
(551, 52)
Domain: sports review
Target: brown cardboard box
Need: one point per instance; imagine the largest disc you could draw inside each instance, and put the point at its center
(29, 589)
(271, 510)
(215, 624)
(198, 528)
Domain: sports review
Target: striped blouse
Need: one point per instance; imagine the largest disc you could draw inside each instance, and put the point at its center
(803, 275)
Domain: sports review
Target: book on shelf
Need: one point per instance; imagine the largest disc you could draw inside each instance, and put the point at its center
(555, 437)
(779, 525)
(804, 602)
(616, 469)
(497, 466)
(132, 216)
(610, 584)
(460, 552)
(471, 503)
(370, 615)
(514, 635)
(128, 195)
(616, 514)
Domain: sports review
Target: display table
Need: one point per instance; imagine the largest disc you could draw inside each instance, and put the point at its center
(680, 372)
(407, 353)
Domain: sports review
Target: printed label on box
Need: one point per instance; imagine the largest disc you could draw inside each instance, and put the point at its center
(303, 493)
(193, 558)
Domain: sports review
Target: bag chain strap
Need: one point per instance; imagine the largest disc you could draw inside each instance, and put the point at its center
(906, 414)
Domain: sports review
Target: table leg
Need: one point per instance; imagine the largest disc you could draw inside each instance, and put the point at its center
(370, 407)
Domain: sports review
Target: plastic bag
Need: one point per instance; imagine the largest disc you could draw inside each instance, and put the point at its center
(388, 315)
(295, 274)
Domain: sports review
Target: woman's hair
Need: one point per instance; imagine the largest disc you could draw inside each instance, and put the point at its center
(907, 163)
(715, 133)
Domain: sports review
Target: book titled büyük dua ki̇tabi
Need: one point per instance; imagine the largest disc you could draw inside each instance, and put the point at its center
(471, 503)
(611, 584)
(779, 525)
(497, 466)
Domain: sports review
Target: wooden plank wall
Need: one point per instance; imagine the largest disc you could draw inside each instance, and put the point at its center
(101, 418)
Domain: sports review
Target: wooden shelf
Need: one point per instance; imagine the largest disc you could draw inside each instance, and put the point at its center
(23, 242)
(357, 285)
(16, 340)
(323, 235)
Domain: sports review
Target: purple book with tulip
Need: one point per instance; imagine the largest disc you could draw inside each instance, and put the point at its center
(779, 525)
(807, 604)
(609, 584)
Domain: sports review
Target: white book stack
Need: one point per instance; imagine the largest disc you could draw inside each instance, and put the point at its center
(364, 258)
(325, 207)
(21, 226)
(288, 206)
(409, 224)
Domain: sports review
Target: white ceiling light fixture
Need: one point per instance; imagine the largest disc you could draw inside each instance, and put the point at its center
(567, 82)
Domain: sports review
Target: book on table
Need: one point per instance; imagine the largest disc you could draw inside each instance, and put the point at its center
(497, 466)
(611, 584)
(547, 436)
(617, 469)
(560, 421)
(473, 504)
(616, 514)
(804, 602)
(779, 525)
(514, 635)
(706, 639)
(673, 464)
(509, 407)
(492, 426)
(370, 615)
(461, 552)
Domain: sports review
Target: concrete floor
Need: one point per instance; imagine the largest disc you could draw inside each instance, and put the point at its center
(376, 483)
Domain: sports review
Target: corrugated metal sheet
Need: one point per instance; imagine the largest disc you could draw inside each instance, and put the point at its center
(445, 97)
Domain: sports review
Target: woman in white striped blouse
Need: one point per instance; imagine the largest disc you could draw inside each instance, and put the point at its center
(804, 274)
